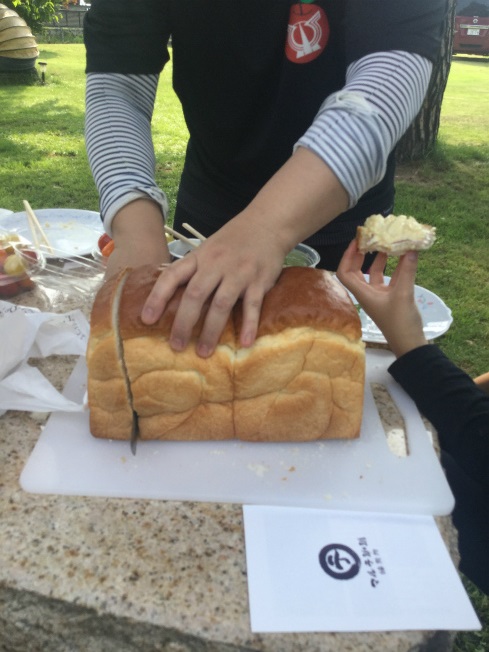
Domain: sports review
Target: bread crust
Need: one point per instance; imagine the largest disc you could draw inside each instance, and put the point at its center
(302, 380)
(110, 401)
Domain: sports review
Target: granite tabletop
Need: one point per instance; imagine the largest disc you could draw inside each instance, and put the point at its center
(103, 574)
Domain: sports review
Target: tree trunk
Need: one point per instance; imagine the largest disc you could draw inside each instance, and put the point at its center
(421, 136)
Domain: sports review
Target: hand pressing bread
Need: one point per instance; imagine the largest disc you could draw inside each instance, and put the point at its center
(303, 378)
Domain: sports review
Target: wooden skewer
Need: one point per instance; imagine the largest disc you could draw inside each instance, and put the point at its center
(194, 232)
(32, 224)
(181, 237)
(36, 228)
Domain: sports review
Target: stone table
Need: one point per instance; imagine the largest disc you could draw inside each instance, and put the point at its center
(124, 575)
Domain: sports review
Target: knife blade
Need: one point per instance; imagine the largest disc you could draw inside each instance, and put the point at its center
(134, 432)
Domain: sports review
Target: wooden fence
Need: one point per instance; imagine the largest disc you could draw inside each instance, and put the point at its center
(70, 18)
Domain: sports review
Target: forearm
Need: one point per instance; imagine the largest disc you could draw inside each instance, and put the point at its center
(344, 153)
(356, 128)
(405, 334)
(139, 223)
(119, 143)
(299, 199)
(139, 237)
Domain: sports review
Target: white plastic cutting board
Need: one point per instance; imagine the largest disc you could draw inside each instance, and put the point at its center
(356, 475)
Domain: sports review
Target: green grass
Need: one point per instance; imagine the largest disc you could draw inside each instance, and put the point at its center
(450, 190)
(466, 102)
(43, 160)
(43, 156)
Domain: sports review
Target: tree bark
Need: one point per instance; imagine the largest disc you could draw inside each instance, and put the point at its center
(421, 136)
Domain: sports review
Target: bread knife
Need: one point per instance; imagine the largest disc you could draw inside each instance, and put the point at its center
(134, 432)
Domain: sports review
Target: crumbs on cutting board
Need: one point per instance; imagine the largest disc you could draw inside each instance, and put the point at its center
(258, 469)
(291, 469)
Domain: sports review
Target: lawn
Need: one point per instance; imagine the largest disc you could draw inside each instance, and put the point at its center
(41, 137)
(43, 160)
(451, 191)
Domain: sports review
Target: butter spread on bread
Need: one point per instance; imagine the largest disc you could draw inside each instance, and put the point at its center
(394, 235)
(303, 379)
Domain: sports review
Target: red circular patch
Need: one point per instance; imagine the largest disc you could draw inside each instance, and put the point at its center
(308, 33)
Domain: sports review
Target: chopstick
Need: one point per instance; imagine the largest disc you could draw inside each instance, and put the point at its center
(194, 232)
(36, 228)
(181, 237)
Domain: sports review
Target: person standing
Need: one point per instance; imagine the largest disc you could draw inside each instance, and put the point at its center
(293, 109)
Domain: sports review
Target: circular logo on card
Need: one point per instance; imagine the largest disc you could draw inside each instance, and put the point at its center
(339, 561)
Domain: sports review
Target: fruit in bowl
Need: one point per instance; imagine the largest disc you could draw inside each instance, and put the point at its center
(18, 259)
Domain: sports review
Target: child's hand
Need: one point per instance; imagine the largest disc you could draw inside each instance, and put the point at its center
(392, 307)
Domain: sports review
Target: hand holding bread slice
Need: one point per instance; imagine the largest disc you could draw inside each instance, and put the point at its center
(389, 303)
(394, 235)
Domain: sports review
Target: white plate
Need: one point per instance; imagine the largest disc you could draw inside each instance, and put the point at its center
(70, 231)
(436, 315)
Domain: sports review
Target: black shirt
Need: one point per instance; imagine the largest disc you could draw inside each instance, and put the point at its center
(245, 103)
(459, 411)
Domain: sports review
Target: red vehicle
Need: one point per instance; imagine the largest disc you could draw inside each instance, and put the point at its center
(471, 27)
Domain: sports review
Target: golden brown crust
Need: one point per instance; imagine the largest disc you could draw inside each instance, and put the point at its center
(101, 317)
(305, 296)
(301, 380)
(176, 395)
(136, 290)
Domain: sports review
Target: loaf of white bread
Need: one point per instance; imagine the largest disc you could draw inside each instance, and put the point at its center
(302, 380)
(394, 235)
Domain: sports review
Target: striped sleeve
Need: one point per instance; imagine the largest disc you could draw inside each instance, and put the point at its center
(118, 139)
(356, 128)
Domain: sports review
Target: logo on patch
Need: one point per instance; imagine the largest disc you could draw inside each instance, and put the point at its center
(307, 33)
